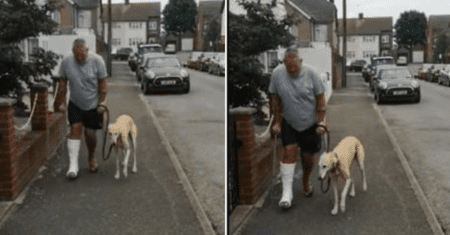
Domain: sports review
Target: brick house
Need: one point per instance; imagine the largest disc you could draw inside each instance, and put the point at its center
(366, 37)
(133, 23)
(437, 25)
(207, 12)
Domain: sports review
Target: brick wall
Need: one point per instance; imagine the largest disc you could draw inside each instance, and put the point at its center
(20, 160)
(255, 160)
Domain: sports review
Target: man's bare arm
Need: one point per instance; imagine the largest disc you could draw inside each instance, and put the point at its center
(320, 108)
(102, 91)
(275, 110)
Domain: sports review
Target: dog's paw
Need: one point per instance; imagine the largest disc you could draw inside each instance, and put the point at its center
(134, 169)
(334, 211)
(342, 207)
(365, 186)
(352, 193)
(117, 176)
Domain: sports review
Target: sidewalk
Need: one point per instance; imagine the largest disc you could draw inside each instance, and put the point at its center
(389, 206)
(152, 201)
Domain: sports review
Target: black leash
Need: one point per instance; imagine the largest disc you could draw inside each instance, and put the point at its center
(327, 147)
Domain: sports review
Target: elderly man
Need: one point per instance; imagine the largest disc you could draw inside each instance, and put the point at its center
(86, 73)
(297, 95)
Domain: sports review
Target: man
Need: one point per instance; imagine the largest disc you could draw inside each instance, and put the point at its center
(86, 74)
(297, 93)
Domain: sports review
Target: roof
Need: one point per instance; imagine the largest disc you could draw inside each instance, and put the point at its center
(209, 7)
(366, 26)
(321, 11)
(87, 3)
(133, 11)
(439, 22)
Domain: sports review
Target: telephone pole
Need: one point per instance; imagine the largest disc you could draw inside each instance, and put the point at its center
(109, 65)
(344, 50)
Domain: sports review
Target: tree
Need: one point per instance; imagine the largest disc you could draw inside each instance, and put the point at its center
(179, 17)
(212, 34)
(410, 29)
(248, 37)
(21, 19)
(441, 48)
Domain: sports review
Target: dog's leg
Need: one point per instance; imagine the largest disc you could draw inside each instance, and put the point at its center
(117, 175)
(363, 172)
(125, 162)
(336, 196)
(134, 149)
(344, 193)
(352, 190)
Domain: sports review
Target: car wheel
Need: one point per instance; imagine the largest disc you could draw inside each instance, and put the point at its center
(145, 90)
(187, 88)
(417, 99)
(378, 98)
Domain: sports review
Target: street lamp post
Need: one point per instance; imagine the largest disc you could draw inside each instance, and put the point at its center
(344, 58)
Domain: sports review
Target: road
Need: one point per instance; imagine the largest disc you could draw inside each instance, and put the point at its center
(194, 124)
(422, 130)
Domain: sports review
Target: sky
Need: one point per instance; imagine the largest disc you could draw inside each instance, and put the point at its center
(383, 8)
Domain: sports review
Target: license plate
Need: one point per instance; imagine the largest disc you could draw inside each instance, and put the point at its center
(169, 82)
(400, 92)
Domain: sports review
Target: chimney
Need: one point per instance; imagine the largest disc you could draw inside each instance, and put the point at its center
(361, 16)
(127, 2)
(332, 1)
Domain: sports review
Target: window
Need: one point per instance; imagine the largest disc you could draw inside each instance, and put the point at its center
(135, 25)
(320, 33)
(369, 38)
(115, 42)
(369, 54)
(152, 25)
(84, 19)
(351, 54)
(351, 39)
(135, 41)
(116, 26)
(385, 39)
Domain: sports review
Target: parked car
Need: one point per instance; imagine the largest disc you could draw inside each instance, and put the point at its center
(402, 61)
(144, 49)
(444, 76)
(395, 84)
(133, 61)
(162, 72)
(204, 60)
(366, 72)
(379, 60)
(217, 65)
(170, 48)
(433, 74)
(357, 65)
(123, 53)
(377, 74)
(192, 60)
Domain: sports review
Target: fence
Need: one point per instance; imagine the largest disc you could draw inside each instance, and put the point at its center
(20, 159)
(252, 166)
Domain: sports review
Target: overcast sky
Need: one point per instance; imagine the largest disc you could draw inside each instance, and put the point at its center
(376, 8)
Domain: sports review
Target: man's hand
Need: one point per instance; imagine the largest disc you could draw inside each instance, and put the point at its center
(320, 130)
(101, 109)
(62, 107)
(276, 128)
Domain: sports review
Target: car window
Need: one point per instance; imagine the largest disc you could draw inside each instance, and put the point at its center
(384, 61)
(162, 62)
(144, 50)
(395, 73)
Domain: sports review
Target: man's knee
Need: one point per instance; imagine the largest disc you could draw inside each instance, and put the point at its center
(89, 134)
(290, 153)
(75, 130)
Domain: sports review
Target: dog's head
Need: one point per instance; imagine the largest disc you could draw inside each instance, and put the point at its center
(113, 132)
(327, 162)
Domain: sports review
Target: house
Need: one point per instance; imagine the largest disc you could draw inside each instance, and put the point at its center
(207, 13)
(436, 26)
(366, 37)
(133, 23)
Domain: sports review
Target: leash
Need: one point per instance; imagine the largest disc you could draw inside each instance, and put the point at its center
(327, 147)
(106, 133)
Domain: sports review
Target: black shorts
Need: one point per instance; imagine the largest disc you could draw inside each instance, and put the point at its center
(90, 119)
(309, 141)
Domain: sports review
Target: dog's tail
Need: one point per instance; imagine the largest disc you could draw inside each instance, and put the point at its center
(360, 151)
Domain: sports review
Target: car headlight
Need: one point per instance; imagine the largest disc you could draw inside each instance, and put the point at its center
(150, 74)
(415, 84)
(184, 73)
(383, 85)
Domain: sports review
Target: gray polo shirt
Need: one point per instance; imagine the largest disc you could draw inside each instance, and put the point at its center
(83, 79)
(297, 95)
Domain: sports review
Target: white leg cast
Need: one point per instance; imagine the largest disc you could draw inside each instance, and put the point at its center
(125, 163)
(336, 197)
(134, 150)
(287, 177)
(73, 146)
(344, 193)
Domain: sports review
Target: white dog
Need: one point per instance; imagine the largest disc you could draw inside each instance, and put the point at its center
(120, 132)
(338, 163)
